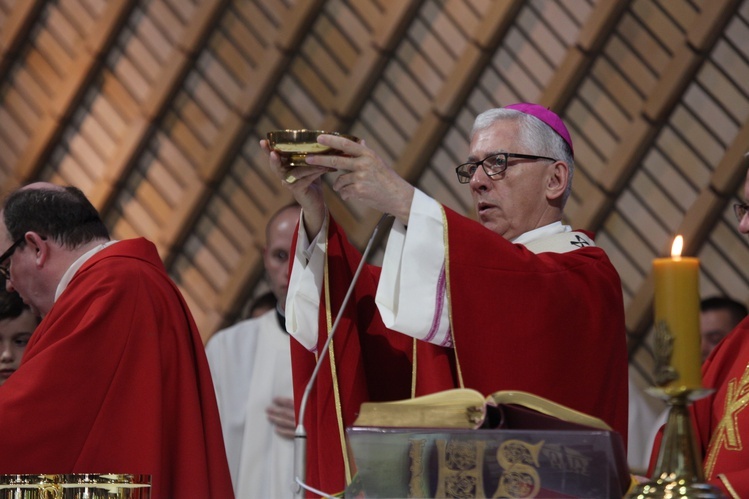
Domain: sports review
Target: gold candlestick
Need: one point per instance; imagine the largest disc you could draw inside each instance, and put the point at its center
(678, 470)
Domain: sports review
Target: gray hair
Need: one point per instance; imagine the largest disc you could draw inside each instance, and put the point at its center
(534, 135)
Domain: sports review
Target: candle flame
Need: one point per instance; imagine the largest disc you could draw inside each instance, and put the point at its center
(677, 246)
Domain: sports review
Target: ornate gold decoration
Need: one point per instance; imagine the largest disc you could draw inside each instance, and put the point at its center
(446, 241)
(726, 434)
(416, 486)
(334, 371)
(519, 461)
(461, 468)
(663, 351)
(567, 459)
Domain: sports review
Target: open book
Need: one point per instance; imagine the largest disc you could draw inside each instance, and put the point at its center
(469, 409)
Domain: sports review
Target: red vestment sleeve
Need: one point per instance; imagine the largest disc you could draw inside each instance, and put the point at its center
(115, 380)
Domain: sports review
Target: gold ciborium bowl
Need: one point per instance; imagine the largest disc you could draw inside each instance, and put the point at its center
(294, 145)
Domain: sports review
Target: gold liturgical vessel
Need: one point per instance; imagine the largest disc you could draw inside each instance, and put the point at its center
(75, 486)
(678, 471)
(294, 145)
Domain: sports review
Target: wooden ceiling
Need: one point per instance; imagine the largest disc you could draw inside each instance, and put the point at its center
(155, 108)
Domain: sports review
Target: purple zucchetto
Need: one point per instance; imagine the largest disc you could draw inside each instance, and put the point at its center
(547, 116)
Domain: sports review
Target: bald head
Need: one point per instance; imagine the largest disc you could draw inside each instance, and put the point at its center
(43, 186)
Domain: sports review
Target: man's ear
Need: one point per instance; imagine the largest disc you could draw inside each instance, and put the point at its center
(40, 245)
(557, 180)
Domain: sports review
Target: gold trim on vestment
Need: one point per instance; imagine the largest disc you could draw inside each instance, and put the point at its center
(413, 368)
(729, 487)
(726, 434)
(449, 300)
(333, 371)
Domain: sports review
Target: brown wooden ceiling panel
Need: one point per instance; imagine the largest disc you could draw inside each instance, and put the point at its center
(692, 167)
(723, 89)
(69, 172)
(189, 123)
(57, 51)
(665, 26)
(675, 192)
(638, 73)
(164, 182)
(683, 13)
(34, 92)
(687, 148)
(13, 129)
(167, 20)
(718, 260)
(636, 215)
(155, 109)
(227, 216)
(453, 151)
(16, 21)
(629, 272)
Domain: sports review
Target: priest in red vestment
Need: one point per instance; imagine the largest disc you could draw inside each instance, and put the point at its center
(114, 379)
(528, 304)
(722, 418)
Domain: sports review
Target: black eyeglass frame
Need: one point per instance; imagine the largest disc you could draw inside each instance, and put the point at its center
(5, 271)
(740, 209)
(465, 176)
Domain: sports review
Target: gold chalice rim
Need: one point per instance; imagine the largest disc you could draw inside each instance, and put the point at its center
(301, 137)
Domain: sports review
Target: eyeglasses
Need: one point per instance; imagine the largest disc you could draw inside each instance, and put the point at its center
(493, 165)
(740, 210)
(5, 271)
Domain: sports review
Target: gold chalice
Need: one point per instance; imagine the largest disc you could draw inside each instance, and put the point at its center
(294, 145)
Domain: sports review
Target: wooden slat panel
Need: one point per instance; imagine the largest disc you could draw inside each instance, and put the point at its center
(157, 116)
(15, 29)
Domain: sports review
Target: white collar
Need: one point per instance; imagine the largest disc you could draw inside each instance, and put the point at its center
(68, 275)
(545, 231)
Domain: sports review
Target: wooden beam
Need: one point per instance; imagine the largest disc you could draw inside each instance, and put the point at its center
(15, 31)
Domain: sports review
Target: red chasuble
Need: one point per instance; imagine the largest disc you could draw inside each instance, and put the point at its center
(722, 419)
(115, 380)
(551, 324)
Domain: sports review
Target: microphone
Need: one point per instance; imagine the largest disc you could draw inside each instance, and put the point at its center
(300, 434)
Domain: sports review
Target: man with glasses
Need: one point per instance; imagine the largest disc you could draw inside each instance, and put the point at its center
(114, 379)
(515, 301)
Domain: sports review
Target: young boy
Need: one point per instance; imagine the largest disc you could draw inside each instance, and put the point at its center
(17, 322)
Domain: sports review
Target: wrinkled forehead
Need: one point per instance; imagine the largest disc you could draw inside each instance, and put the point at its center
(501, 136)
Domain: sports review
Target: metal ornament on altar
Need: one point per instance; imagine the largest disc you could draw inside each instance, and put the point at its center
(75, 486)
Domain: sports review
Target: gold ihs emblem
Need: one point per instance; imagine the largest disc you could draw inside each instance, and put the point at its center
(663, 351)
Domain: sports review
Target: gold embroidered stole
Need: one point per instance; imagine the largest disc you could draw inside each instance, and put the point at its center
(726, 434)
(333, 371)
